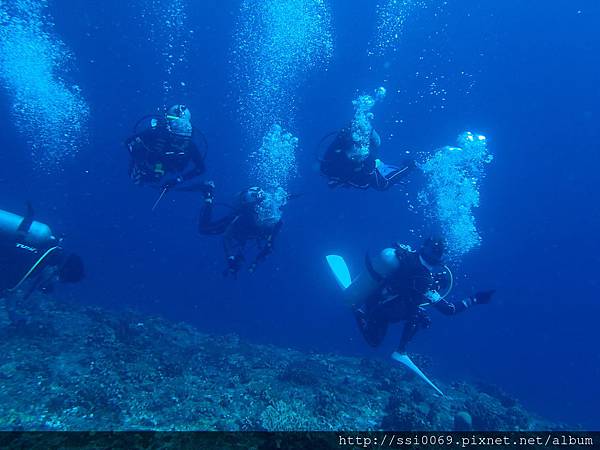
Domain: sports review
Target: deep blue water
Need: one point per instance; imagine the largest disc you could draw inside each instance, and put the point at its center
(534, 93)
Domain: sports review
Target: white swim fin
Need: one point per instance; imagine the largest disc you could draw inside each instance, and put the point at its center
(403, 358)
(340, 271)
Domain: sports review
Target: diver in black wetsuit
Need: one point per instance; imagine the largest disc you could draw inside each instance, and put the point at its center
(245, 223)
(165, 149)
(341, 166)
(31, 257)
(408, 285)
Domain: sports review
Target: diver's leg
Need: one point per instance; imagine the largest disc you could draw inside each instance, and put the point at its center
(417, 321)
(372, 327)
(234, 253)
(204, 225)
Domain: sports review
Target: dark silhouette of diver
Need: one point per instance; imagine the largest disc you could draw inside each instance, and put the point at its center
(243, 224)
(402, 283)
(32, 258)
(165, 149)
(341, 166)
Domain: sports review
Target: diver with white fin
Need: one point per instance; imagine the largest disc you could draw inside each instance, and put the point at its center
(396, 286)
(31, 257)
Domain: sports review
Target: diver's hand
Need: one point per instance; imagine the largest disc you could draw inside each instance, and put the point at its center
(483, 297)
(171, 183)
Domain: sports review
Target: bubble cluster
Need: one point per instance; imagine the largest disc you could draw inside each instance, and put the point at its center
(166, 22)
(278, 43)
(361, 124)
(273, 166)
(452, 191)
(391, 19)
(34, 64)
(270, 210)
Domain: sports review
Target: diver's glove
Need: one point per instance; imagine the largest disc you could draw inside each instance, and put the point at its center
(483, 297)
(171, 183)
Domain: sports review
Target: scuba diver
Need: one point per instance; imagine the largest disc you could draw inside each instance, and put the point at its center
(30, 255)
(165, 149)
(253, 218)
(396, 286)
(407, 282)
(344, 166)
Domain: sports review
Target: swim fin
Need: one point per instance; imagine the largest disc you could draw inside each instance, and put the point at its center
(340, 270)
(25, 224)
(403, 358)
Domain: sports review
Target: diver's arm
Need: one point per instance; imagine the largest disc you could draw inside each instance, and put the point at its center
(138, 142)
(198, 164)
(451, 308)
(207, 225)
(197, 169)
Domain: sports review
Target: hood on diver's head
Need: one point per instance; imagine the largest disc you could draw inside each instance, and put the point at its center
(432, 251)
(179, 120)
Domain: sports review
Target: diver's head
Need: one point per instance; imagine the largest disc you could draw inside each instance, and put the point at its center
(179, 120)
(432, 251)
(72, 270)
(253, 196)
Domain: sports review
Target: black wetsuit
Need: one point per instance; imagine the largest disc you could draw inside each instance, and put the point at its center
(237, 228)
(344, 171)
(399, 299)
(156, 153)
(18, 258)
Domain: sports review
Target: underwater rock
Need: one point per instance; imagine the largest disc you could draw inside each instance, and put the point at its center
(104, 370)
(463, 421)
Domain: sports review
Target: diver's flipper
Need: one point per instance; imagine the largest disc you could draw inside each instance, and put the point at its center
(340, 270)
(25, 224)
(404, 359)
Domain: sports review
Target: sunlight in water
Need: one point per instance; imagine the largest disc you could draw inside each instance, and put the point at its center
(48, 110)
(452, 191)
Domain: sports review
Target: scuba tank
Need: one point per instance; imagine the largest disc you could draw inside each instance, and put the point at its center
(369, 281)
(25, 230)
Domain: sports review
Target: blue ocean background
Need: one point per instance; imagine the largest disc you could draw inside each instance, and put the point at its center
(531, 87)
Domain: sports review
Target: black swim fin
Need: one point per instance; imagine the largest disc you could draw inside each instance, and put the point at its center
(25, 224)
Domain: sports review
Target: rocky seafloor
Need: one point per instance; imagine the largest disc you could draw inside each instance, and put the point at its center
(69, 367)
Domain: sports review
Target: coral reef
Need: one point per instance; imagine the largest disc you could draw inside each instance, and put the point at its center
(69, 367)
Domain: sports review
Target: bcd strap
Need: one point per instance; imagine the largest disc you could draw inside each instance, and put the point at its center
(377, 277)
